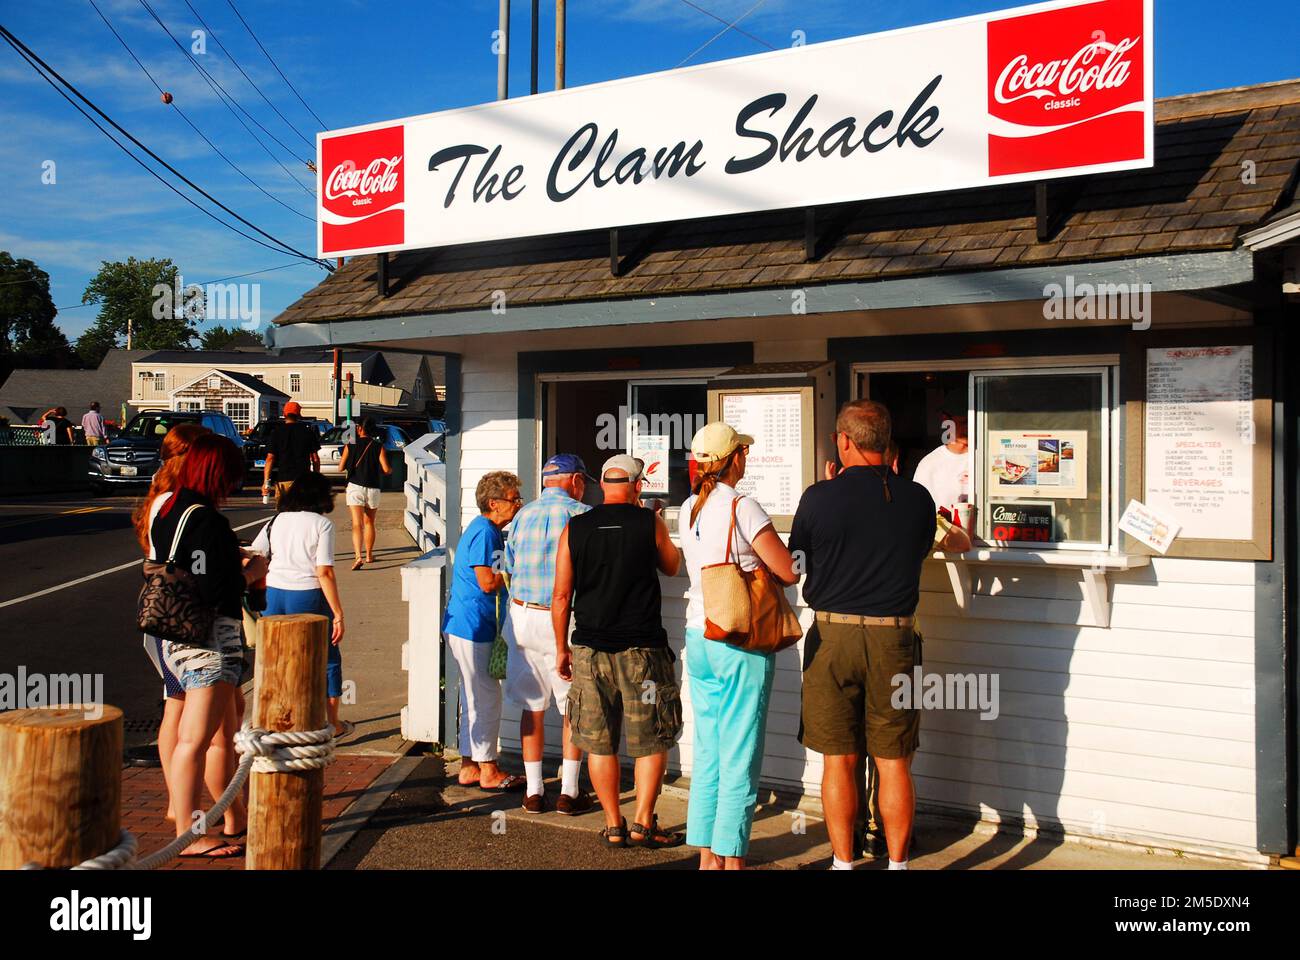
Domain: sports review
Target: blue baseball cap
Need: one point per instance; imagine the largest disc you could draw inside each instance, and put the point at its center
(563, 463)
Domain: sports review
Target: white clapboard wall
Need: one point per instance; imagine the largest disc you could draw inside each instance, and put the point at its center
(1143, 731)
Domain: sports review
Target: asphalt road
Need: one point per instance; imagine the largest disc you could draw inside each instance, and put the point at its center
(88, 627)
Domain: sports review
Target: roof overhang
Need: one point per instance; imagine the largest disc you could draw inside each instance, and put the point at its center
(1185, 273)
(1283, 230)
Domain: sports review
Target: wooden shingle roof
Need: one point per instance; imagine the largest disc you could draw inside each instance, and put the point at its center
(1225, 162)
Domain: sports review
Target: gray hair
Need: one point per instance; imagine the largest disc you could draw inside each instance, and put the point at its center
(866, 423)
(494, 486)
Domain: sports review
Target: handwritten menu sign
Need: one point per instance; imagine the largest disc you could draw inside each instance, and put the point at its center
(774, 468)
(1199, 439)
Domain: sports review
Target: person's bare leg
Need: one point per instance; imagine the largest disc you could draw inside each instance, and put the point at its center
(570, 751)
(649, 781)
(604, 774)
(897, 804)
(733, 863)
(710, 860)
(167, 734)
(358, 515)
(840, 801)
(490, 774)
(203, 714)
(219, 769)
(532, 734)
(469, 772)
(332, 709)
(370, 534)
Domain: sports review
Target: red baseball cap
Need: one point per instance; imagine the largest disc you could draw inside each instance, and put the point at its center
(293, 406)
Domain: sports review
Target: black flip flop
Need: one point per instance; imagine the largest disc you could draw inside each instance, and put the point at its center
(510, 784)
(215, 853)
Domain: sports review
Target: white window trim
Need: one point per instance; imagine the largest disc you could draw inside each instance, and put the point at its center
(251, 403)
(288, 381)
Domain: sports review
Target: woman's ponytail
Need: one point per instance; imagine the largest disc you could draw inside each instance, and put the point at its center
(708, 478)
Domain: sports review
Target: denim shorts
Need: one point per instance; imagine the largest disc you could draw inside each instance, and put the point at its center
(221, 661)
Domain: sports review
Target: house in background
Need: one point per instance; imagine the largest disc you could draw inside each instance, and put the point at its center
(26, 394)
(251, 385)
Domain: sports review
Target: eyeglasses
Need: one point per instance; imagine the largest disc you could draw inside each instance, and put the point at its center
(516, 499)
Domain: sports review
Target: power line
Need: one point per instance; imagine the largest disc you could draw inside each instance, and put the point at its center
(323, 124)
(310, 144)
(238, 276)
(730, 26)
(184, 117)
(230, 102)
(33, 60)
(725, 29)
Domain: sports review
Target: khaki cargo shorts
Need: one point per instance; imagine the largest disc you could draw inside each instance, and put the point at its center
(632, 692)
(848, 681)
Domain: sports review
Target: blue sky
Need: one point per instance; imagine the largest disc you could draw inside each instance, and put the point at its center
(357, 62)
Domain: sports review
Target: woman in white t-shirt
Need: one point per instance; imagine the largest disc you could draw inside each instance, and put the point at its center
(730, 687)
(299, 541)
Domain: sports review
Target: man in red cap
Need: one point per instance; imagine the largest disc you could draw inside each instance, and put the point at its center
(292, 451)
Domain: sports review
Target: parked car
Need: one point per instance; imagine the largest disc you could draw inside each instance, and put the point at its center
(256, 439)
(129, 460)
(331, 446)
(416, 427)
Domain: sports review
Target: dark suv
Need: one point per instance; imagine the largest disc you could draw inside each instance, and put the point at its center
(255, 442)
(130, 459)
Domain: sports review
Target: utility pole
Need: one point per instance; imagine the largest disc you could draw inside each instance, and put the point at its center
(559, 44)
(503, 58)
(532, 63)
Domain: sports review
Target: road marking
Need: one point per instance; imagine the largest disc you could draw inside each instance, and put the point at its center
(49, 516)
(95, 576)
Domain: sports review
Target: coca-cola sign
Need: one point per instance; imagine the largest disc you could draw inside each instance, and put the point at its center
(1055, 90)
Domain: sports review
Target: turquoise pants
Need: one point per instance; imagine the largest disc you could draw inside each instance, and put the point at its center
(730, 691)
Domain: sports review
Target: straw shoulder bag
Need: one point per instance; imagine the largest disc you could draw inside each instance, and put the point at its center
(746, 608)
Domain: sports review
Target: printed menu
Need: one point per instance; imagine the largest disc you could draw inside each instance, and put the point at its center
(774, 469)
(1199, 438)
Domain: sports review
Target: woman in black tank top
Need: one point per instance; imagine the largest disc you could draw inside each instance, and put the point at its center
(365, 461)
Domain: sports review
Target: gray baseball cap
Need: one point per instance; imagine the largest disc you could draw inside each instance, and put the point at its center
(632, 466)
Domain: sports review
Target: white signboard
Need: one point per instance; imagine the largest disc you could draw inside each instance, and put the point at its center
(774, 468)
(1056, 89)
(1199, 439)
(653, 450)
(1144, 525)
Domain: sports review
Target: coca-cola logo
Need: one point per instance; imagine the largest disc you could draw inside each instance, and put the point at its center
(1099, 65)
(346, 180)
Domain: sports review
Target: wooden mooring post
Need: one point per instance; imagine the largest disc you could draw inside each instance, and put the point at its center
(284, 815)
(60, 785)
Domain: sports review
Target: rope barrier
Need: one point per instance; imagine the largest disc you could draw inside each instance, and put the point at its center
(289, 751)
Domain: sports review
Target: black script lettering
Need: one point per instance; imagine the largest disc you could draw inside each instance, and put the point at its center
(769, 104)
(462, 153)
(916, 121)
(634, 166)
(587, 132)
(485, 184)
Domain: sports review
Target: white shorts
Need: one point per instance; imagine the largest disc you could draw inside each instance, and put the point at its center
(531, 680)
(359, 496)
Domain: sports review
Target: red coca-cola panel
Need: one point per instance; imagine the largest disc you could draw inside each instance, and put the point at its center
(362, 190)
(1069, 86)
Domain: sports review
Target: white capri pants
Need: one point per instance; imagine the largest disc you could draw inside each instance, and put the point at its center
(480, 700)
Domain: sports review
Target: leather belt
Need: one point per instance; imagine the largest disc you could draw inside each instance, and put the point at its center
(853, 619)
(535, 606)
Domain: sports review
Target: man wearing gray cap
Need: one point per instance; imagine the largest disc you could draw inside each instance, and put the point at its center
(607, 570)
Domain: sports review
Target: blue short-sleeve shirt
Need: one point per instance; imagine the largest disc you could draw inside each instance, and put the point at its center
(471, 613)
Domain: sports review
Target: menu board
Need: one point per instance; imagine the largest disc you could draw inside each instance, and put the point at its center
(1200, 438)
(774, 469)
(1042, 463)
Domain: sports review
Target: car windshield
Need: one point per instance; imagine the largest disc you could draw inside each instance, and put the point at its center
(334, 435)
(153, 425)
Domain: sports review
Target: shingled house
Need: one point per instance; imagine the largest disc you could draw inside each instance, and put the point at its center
(1145, 696)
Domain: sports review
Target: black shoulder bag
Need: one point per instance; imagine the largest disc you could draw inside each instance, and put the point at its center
(170, 606)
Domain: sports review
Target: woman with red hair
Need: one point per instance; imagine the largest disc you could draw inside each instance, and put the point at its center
(209, 673)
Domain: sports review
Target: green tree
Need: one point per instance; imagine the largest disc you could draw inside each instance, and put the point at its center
(140, 294)
(28, 336)
(218, 337)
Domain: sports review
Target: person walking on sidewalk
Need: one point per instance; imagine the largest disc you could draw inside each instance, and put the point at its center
(92, 425)
(607, 570)
(470, 624)
(531, 680)
(365, 461)
(299, 544)
(863, 536)
(730, 687)
(57, 422)
(291, 452)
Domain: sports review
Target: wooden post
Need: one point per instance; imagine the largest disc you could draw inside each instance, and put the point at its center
(60, 785)
(284, 815)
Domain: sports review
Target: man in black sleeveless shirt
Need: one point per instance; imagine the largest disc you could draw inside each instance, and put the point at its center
(607, 570)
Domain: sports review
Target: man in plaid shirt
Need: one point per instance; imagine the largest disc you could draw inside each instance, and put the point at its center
(531, 680)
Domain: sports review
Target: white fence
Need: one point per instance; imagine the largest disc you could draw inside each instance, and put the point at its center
(422, 589)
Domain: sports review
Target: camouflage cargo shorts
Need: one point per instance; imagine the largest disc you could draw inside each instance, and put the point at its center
(632, 692)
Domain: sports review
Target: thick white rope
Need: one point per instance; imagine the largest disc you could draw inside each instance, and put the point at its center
(289, 751)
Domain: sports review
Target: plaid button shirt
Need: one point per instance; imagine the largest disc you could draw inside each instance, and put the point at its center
(530, 549)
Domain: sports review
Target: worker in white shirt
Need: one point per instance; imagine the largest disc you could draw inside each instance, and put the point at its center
(946, 470)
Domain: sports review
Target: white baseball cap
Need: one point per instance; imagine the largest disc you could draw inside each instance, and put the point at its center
(716, 440)
(632, 466)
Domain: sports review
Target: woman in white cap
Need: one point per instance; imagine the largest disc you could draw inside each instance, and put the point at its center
(730, 687)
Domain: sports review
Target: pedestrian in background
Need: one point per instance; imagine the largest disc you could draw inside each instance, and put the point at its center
(471, 621)
(299, 545)
(863, 536)
(58, 418)
(209, 673)
(607, 568)
(365, 461)
(730, 687)
(92, 425)
(291, 451)
(531, 680)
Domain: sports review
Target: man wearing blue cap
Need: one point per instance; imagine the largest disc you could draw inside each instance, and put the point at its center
(531, 679)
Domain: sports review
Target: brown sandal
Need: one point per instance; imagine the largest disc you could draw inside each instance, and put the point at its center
(615, 836)
(651, 836)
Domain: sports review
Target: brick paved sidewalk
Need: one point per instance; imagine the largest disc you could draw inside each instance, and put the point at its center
(144, 801)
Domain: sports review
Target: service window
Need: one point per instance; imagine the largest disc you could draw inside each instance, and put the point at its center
(1042, 457)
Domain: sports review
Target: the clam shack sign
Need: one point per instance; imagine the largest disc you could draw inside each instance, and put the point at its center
(1052, 90)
